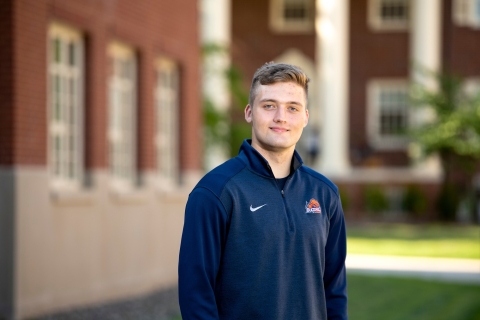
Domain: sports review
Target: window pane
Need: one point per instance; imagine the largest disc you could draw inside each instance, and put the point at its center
(57, 98)
(71, 53)
(57, 50)
(122, 119)
(295, 12)
(65, 100)
(396, 11)
(73, 99)
(167, 123)
(393, 115)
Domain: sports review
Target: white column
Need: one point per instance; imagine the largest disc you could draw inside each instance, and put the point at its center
(425, 37)
(332, 56)
(216, 23)
(216, 30)
(425, 53)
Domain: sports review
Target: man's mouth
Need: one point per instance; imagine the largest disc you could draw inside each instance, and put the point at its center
(278, 129)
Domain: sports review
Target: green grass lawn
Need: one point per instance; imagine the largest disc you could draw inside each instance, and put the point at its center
(389, 298)
(446, 241)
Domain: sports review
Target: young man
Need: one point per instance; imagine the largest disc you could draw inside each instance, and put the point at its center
(264, 236)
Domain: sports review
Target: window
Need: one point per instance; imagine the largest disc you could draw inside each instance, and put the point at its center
(467, 12)
(65, 106)
(292, 15)
(167, 110)
(388, 15)
(122, 105)
(388, 115)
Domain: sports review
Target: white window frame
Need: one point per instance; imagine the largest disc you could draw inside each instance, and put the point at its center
(167, 110)
(122, 116)
(466, 13)
(279, 23)
(379, 23)
(376, 139)
(65, 100)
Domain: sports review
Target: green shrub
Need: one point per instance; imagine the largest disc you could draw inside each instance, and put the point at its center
(376, 201)
(414, 201)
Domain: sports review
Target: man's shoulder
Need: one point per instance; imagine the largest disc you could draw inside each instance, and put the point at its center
(320, 177)
(216, 179)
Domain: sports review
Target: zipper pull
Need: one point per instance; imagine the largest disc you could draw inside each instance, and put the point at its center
(283, 194)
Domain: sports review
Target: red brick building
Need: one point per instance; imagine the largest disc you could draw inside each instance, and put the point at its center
(100, 142)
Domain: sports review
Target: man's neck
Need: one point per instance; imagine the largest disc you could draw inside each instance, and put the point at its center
(279, 161)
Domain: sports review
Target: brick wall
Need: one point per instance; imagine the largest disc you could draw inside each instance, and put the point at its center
(460, 46)
(253, 41)
(6, 83)
(372, 55)
(151, 27)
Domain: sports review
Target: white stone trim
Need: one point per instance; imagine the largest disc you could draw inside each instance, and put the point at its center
(389, 175)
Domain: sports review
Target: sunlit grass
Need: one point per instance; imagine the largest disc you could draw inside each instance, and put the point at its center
(415, 240)
(372, 298)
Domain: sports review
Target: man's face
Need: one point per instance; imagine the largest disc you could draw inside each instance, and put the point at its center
(278, 116)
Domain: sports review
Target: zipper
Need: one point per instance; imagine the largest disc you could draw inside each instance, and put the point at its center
(289, 219)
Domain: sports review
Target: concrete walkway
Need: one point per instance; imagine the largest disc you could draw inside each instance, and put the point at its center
(450, 270)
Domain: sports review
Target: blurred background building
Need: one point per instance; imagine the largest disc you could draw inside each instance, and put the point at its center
(100, 143)
(101, 123)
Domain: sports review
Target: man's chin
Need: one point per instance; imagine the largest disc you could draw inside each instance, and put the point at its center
(277, 146)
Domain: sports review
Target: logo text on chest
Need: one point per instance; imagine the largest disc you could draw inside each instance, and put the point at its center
(313, 206)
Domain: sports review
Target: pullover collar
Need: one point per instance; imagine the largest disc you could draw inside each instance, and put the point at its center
(257, 163)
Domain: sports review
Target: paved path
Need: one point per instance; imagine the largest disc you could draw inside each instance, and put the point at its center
(451, 270)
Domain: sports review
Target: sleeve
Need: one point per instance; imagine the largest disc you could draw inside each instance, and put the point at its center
(335, 280)
(203, 236)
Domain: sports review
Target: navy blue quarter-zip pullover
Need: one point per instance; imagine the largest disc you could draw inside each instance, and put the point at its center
(250, 250)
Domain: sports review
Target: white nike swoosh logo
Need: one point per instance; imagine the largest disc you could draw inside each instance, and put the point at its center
(255, 209)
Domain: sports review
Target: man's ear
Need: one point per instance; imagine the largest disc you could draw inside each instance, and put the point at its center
(248, 113)
(306, 118)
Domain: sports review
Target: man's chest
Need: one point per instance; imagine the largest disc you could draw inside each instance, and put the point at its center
(262, 212)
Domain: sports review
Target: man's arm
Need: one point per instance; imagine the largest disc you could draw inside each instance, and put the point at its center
(200, 253)
(335, 275)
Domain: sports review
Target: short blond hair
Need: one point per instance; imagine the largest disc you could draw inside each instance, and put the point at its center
(271, 73)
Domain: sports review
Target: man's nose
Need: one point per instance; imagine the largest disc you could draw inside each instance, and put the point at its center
(280, 115)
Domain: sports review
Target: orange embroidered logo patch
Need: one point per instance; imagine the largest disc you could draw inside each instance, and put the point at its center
(313, 206)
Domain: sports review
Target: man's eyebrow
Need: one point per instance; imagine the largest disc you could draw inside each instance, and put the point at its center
(276, 101)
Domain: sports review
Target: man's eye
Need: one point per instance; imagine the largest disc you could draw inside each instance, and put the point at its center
(293, 108)
(268, 106)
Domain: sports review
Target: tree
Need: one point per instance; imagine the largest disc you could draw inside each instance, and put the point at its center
(226, 127)
(452, 132)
